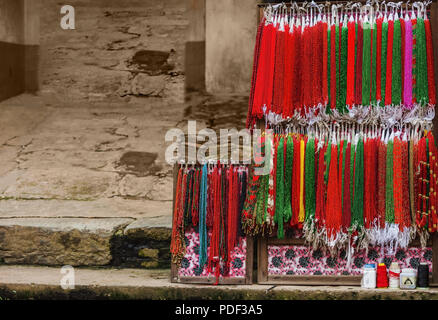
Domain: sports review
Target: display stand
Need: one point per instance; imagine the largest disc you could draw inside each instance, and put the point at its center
(241, 266)
(265, 255)
(314, 269)
(244, 277)
(329, 270)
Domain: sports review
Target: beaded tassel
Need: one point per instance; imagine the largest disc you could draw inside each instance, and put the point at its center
(366, 64)
(333, 59)
(288, 179)
(279, 194)
(389, 64)
(301, 214)
(421, 64)
(406, 214)
(329, 67)
(333, 207)
(310, 180)
(396, 65)
(177, 246)
(407, 80)
(402, 54)
(202, 220)
(288, 76)
(325, 61)
(256, 75)
(430, 63)
(277, 89)
(346, 206)
(350, 63)
(296, 181)
(357, 210)
(359, 59)
(397, 182)
(343, 71)
(384, 56)
(269, 79)
(338, 34)
(297, 68)
(381, 183)
(370, 170)
(373, 64)
(320, 188)
(389, 202)
(379, 59)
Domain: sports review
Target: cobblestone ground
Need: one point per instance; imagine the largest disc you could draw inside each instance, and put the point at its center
(91, 143)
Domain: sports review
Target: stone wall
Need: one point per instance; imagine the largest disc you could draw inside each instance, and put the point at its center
(120, 51)
(231, 27)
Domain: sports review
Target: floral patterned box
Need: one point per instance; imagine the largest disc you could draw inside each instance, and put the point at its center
(302, 260)
(290, 261)
(240, 270)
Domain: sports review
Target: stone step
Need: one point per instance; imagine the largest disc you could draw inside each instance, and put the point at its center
(128, 242)
(58, 241)
(35, 282)
(143, 243)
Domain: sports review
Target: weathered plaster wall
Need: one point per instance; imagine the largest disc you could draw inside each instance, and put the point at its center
(19, 47)
(11, 48)
(120, 51)
(31, 11)
(11, 21)
(231, 27)
(195, 46)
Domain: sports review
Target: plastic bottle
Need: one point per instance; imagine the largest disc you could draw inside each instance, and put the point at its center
(369, 276)
(394, 276)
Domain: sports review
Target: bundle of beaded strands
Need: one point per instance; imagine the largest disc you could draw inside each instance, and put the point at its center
(350, 92)
(346, 187)
(209, 198)
(372, 64)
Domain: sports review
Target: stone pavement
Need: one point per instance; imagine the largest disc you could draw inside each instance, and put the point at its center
(26, 282)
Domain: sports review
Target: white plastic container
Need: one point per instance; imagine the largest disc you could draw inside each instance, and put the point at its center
(369, 276)
(408, 278)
